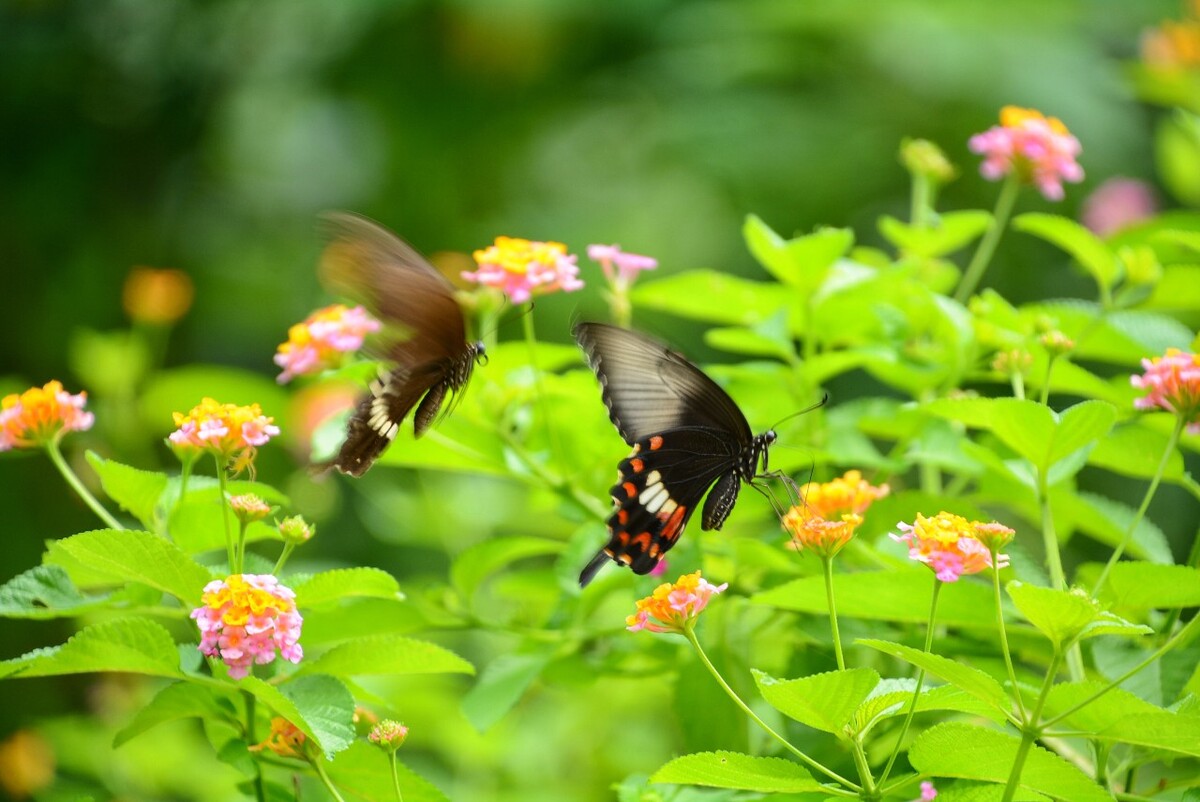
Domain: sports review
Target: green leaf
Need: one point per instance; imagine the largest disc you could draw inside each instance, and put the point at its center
(135, 490)
(1087, 248)
(386, 654)
(197, 524)
(971, 680)
(801, 261)
(44, 591)
(967, 791)
(960, 750)
(133, 645)
(472, 566)
(1134, 449)
(1146, 586)
(134, 556)
(712, 296)
(822, 701)
(1107, 521)
(1080, 425)
(733, 770)
(502, 684)
(362, 773)
(1065, 616)
(175, 701)
(1177, 290)
(951, 232)
(893, 697)
(896, 595)
(341, 583)
(1119, 715)
(327, 706)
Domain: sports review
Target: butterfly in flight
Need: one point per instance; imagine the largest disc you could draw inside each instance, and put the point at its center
(427, 351)
(687, 435)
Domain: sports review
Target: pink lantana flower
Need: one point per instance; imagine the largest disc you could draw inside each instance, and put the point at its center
(229, 431)
(620, 268)
(928, 792)
(674, 607)
(1172, 382)
(1116, 204)
(41, 415)
(247, 619)
(522, 268)
(1039, 149)
(320, 341)
(951, 545)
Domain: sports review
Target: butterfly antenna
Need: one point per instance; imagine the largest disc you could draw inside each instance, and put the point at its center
(824, 400)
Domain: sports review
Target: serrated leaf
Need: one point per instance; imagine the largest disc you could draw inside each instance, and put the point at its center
(822, 701)
(1134, 449)
(735, 770)
(341, 583)
(893, 697)
(1107, 520)
(1065, 616)
(175, 701)
(1087, 248)
(967, 791)
(801, 261)
(44, 591)
(1080, 425)
(137, 491)
(1146, 586)
(971, 680)
(713, 296)
(974, 753)
(134, 645)
(362, 772)
(386, 654)
(951, 232)
(327, 705)
(1119, 715)
(135, 556)
(1025, 426)
(502, 684)
(894, 595)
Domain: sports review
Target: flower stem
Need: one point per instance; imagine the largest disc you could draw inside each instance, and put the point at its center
(1044, 397)
(288, 548)
(833, 621)
(805, 759)
(1008, 663)
(1058, 578)
(1180, 422)
(864, 770)
(395, 777)
(921, 200)
(991, 238)
(1031, 730)
(260, 791)
(230, 548)
(912, 708)
(59, 462)
(539, 388)
(315, 762)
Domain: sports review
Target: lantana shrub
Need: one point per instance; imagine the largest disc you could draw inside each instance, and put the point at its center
(904, 627)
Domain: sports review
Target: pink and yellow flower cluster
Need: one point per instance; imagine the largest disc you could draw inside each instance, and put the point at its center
(672, 607)
(1172, 382)
(952, 546)
(41, 415)
(246, 619)
(285, 739)
(318, 343)
(1039, 149)
(224, 429)
(522, 268)
(620, 268)
(830, 513)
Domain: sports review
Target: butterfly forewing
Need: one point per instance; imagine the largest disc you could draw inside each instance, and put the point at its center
(426, 354)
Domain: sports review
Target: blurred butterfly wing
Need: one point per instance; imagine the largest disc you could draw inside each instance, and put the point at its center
(374, 267)
(649, 388)
(377, 418)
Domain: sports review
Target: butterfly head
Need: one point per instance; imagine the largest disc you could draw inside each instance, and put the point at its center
(761, 443)
(481, 357)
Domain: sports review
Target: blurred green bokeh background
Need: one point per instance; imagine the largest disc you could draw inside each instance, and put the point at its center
(207, 136)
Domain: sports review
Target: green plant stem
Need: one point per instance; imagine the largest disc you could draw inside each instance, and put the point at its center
(539, 388)
(1044, 396)
(921, 200)
(864, 771)
(912, 708)
(241, 543)
(618, 304)
(1180, 422)
(230, 548)
(1018, 384)
(1173, 617)
(1058, 579)
(260, 791)
(1008, 663)
(556, 483)
(1186, 632)
(991, 238)
(1031, 730)
(833, 620)
(315, 762)
(395, 777)
(288, 548)
(803, 758)
(77, 485)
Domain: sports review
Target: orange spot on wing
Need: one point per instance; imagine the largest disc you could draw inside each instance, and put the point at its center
(622, 517)
(642, 540)
(636, 465)
(630, 489)
(656, 442)
(674, 524)
(623, 538)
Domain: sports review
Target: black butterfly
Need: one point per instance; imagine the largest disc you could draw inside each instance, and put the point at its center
(686, 433)
(428, 351)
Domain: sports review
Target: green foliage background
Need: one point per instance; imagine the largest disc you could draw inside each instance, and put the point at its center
(207, 136)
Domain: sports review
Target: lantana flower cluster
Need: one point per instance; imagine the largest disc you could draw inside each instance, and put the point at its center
(620, 268)
(320, 341)
(672, 607)
(830, 513)
(1172, 382)
(223, 429)
(522, 268)
(1039, 149)
(952, 546)
(41, 415)
(285, 739)
(247, 619)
